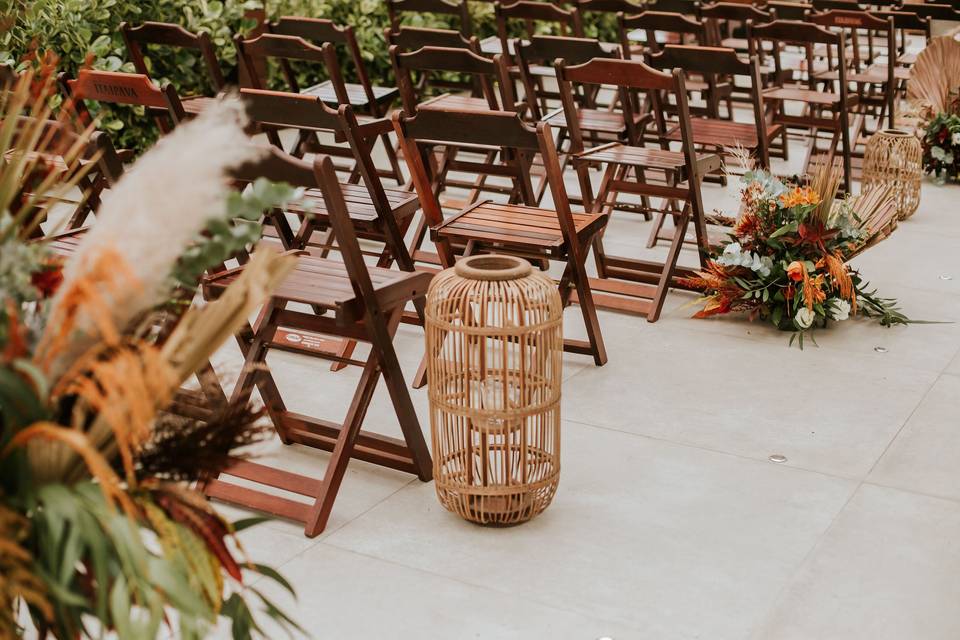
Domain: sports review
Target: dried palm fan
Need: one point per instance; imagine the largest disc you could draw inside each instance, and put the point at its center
(876, 212)
(935, 75)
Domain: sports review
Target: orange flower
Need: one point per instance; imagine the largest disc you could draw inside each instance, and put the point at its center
(799, 196)
(796, 271)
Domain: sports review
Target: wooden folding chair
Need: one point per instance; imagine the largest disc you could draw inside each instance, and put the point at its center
(650, 30)
(814, 100)
(457, 11)
(254, 54)
(594, 11)
(531, 16)
(875, 82)
(365, 97)
(161, 34)
(786, 10)
(907, 23)
(408, 39)
(528, 231)
(722, 18)
(496, 92)
(683, 7)
(647, 282)
(362, 303)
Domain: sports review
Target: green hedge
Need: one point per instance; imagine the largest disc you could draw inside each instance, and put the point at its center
(80, 29)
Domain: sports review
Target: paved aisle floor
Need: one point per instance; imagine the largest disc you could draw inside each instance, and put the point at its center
(670, 521)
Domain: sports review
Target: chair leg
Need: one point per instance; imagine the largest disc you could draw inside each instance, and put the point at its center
(577, 275)
(391, 152)
(670, 264)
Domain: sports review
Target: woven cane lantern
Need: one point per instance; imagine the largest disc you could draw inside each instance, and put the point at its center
(894, 157)
(494, 358)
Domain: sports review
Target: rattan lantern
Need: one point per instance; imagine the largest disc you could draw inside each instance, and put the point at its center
(494, 358)
(894, 157)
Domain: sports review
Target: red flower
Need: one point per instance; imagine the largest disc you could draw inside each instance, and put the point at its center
(47, 280)
(796, 271)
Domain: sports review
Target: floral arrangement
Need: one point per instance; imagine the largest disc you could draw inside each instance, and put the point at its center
(786, 261)
(941, 144)
(101, 529)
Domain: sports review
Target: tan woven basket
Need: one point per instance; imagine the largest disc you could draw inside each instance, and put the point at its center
(894, 157)
(495, 353)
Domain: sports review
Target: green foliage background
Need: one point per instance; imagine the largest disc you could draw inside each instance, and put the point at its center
(74, 29)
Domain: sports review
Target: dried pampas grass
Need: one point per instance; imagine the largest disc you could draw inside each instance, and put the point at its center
(153, 213)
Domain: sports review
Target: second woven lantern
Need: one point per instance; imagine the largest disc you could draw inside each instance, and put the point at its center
(494, 358)
(895, 158)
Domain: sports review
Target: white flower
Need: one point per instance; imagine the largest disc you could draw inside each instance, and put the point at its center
(839, 309)
(948, 158)
(804, 318)
(938, 153)
(955, 140)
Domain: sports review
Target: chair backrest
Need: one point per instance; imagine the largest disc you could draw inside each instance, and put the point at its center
(724, 14)
(532, 14)
(318, 31)
(683, 7)
(715, 64)
(274, 110)
(113, 87)
(789, 10)
(544, 50)
(647, 24)
(413, 38)
(934, 11)
(586, 7)
(455, 8)
(805, 34)
(842, 5)
(507, 130)
(254, 53)
(907, 22)
(853, 23)
(163, 34)
(487, 71)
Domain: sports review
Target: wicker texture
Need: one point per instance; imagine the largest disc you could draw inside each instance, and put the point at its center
(894, 158)
(495, 346)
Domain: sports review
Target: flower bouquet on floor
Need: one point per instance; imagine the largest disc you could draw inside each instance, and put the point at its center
(941, 144)
(787, 258)
(101, 530)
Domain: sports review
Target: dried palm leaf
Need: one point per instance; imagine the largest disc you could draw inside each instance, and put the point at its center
(17, 578)
(826, 179)
(935, 75)
(876, 212)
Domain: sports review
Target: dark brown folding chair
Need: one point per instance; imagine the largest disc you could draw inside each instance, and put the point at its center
(592, 11)
(365, 97)
(647, 282)
(531, 15)
(875, 82)
(528, 231)
(255, 53)
(638, 33)
(814, 100)
(408, 39)
(683, 7)
(457, 10)
(786, 10)
(907, 23)
(362, 303)
(721, 18)
(161, 34)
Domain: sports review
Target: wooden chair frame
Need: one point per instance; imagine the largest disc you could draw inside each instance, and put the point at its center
(531, 12)
(365, 303)
(647, 282)
(531, 233)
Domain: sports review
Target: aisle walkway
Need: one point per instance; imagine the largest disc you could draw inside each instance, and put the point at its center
(670, 521)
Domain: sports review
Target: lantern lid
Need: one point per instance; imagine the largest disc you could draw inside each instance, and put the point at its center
(492, 267)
